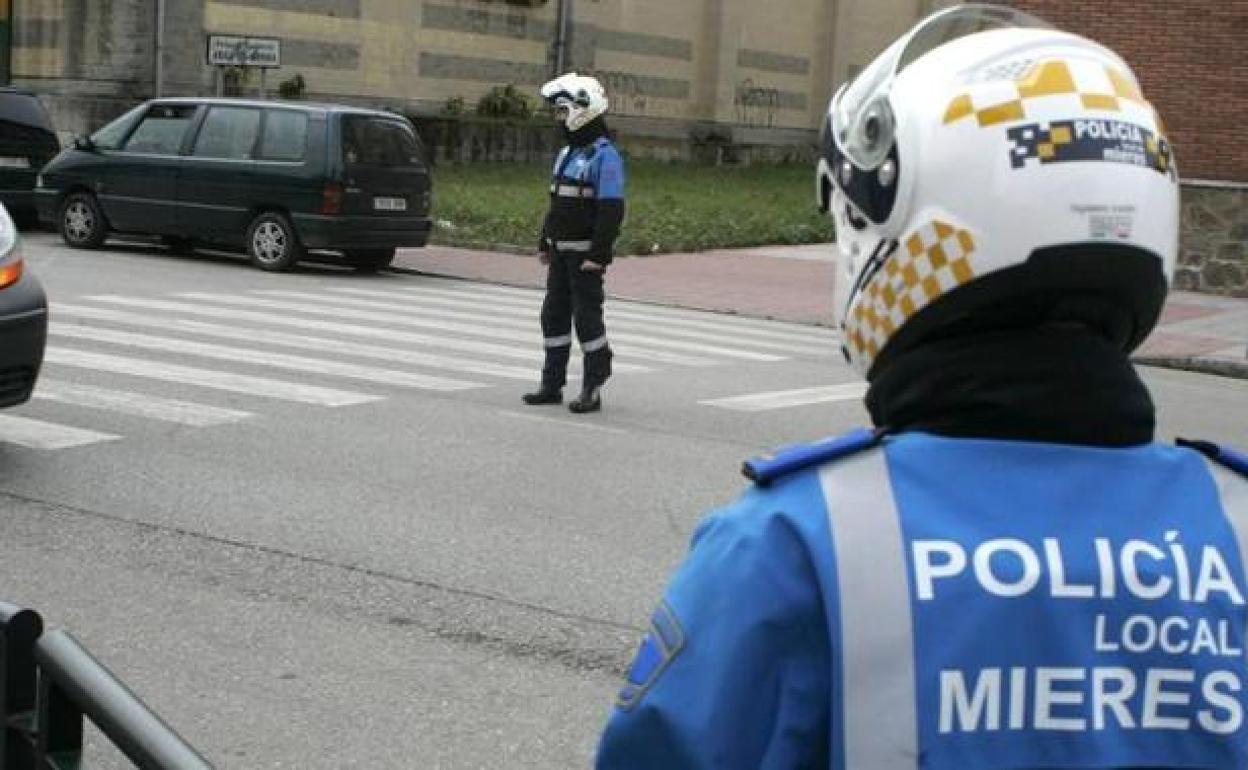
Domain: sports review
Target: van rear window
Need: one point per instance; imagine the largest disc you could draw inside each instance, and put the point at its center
(369, 141)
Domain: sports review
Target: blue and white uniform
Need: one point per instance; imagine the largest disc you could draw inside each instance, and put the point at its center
(582, 224)
(945, 603)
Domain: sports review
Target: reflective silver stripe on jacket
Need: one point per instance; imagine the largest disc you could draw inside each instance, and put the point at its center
(562, 341)
(877, 632)
(595, 344)
(1233, 492)
(573, 245)
(572, 191)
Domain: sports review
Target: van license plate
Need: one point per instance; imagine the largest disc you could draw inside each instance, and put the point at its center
(390, 204)
(14, 163)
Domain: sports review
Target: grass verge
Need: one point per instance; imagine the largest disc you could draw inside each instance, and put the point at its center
(671, 208)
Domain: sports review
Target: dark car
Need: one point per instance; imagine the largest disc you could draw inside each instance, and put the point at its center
(27, 141)
(23, 320)
(273, 178)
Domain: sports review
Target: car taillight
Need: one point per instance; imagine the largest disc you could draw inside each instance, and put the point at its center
(331, 198)
(10, 273)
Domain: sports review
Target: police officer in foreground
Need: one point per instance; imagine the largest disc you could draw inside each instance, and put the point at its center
(1007, 571)
(578, 236)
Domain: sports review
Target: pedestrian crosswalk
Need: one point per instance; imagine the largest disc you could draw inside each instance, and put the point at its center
(205, 359)
(138, 404)
(205, 378)
(784, 399)
(36, 434)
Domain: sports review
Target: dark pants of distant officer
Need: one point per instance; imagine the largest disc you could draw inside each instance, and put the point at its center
(574, 294)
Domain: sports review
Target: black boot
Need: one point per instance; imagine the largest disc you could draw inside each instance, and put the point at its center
(590, 400)
(544, 395)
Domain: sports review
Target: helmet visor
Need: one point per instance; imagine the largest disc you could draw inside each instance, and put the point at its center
(862, 119)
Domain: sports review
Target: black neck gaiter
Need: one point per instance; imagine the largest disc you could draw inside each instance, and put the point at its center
(586, 134)
(1053, 384)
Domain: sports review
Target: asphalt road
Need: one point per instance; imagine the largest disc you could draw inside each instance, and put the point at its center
(306, 517)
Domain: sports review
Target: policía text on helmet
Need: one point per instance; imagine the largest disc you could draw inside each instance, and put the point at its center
(1109, 129)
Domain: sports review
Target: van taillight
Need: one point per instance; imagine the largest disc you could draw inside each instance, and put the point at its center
(331, 198)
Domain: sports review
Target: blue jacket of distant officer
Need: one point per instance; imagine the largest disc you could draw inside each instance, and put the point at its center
(936, 602)
(586, 200)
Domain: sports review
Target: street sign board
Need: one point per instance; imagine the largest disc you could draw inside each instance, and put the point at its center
(234, 51)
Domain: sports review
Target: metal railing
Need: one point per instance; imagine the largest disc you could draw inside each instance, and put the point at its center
(49, 683)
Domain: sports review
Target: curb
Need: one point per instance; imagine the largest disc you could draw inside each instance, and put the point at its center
(1220, 367)
(500, 248)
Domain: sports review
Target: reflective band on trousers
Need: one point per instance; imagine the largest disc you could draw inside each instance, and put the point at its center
(573, 245)
(594, 344)
(877, 631)
(572, 191)
(562, 341)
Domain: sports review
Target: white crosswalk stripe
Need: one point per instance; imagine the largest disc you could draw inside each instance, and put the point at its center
(785, 399)
(206, 378)
(530, 353)
(37, 434)
(137, 404)
(260, 357)
(491, 325)
(619, 320)
(493, 332)
(300, 341)
(530, 298)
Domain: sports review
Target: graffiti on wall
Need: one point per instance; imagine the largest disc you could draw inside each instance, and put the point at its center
(756, 105)
(625, 92)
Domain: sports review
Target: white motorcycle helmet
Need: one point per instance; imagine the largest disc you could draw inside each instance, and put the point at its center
(577, 99)
(988, 171)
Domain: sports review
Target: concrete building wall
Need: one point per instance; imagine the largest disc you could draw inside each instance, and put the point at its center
(671, 68)
(92, 58)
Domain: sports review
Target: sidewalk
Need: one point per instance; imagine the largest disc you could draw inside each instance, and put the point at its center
(1199, 332)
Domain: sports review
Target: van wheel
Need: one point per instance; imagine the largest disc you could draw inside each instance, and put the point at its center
(81, 222)
(272, 243)
(370, 260)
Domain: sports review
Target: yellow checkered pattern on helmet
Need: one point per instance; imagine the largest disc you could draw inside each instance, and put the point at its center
(1091, 86)
(932, 260)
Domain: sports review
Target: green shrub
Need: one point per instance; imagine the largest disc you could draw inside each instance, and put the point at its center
(505, 102)
(293, 88)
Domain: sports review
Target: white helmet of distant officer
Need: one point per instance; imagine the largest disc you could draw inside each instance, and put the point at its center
(987, 172)
(577, 99)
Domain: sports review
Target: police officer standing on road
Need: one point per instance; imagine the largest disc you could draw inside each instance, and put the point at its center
(1008, 571)
(578, 237)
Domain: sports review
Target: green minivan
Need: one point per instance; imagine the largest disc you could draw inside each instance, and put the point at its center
(275, 178)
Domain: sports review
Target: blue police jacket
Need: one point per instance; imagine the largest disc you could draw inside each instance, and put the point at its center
(586, 200)
(595, 169)
(954, 603)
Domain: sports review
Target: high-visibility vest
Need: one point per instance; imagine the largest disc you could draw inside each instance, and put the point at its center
(940, 603)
